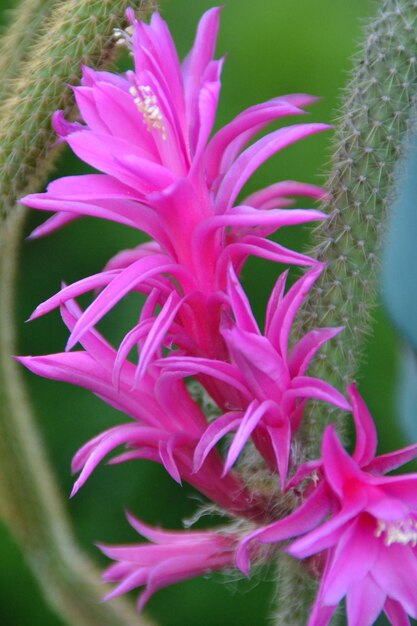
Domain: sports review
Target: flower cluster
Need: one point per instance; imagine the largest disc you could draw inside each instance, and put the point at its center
(163, 172)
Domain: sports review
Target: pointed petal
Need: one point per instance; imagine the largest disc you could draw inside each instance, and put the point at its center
(72, 291)
(124, 282)
(253, 157)
(364, 602)
(265, 198)
(229, 140)
(305, 349)
(354, 557)
(281, 443)
(395, 613)
(216, 431)
(254, 413)
(392, 460)
(366, 435)
(281, 320)
(308, 387)
(217, 369)
(50, 225)
(396, 573)
(340, 468)
(199, 57)
(306, 517)
(166, 453)
(240, 304)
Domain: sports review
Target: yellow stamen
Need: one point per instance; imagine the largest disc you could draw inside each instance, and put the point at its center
(147, 103)
(403, 532)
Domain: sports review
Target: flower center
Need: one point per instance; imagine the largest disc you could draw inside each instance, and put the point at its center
(403, 532)
(147, 103)
(124, 37)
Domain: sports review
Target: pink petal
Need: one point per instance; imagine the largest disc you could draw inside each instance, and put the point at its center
(305, 349)
(50, 225)
(217, 369)
(131, 339)
(395, 613)
(354, 557)
(72, 291)
(396, 574)
(281, 320)
(266, 197)
(366, 435)
(392, 460)
(240, 304)
(263, 248)
(253, 157)
(197, 60)
(281, 443)
(307, 387)
(339, 467)
(364, 602)
(166, 454)
(217, 430)
(249, 421)
(229, 140)
(124, 282)
(124, 434)
(157, 333)
(330, 532)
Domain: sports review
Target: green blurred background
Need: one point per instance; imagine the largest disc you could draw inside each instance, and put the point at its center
(273, 47)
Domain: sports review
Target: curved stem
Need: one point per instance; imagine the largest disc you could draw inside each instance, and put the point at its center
(25, 22)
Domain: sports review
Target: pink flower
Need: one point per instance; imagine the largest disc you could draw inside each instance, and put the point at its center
(266, 383)
(167, 423)
(172, 557)
(148, 132)
(369, 541)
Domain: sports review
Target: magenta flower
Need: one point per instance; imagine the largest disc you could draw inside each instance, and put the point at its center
(148, 132)
(369, 541)
(266, 382)
(167, 423)
(172, 557)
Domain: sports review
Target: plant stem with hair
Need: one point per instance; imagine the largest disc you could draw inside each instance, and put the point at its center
(377, 111)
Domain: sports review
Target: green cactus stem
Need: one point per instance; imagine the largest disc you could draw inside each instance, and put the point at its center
(369, 140)
(25, 22)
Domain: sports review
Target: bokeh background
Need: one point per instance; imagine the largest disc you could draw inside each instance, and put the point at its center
(273, 47)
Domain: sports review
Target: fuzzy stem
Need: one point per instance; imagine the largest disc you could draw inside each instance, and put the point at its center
(29, 500)
(378, 108)
(24, 23)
